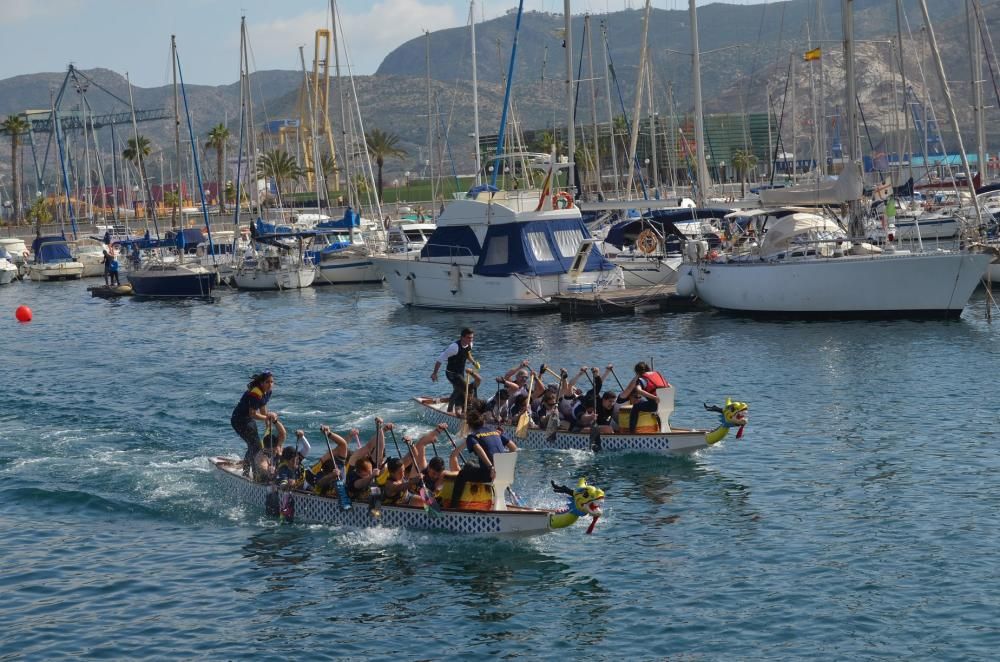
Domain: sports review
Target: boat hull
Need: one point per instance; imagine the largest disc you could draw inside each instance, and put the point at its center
(902, 285)
(326, 510)
(641, 271)
(431, 283)
(343, 271)
(291, 279)
(169, 285)
(56, 271)
(668, 443)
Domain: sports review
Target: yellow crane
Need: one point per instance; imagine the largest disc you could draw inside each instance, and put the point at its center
(322, 131)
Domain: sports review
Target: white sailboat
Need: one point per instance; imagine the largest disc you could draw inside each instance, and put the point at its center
(827, 275)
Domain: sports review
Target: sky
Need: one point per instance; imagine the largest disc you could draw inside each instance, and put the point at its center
(134, 35)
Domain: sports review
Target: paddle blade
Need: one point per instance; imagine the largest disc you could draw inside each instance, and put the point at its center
(521, 432)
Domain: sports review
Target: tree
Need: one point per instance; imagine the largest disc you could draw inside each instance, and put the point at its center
(217, 139)
(383, 145)
(136, 150)
(40, 214)
(172, 200)
(744, 162)
(14, 126)
(279, 166)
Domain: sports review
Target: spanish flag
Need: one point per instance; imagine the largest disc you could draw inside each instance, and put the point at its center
(814, 54)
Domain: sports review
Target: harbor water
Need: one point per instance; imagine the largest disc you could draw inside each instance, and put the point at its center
(858, 517)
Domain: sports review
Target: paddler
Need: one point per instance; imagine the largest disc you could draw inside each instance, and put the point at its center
(455, 357)
(251, 408)
(483, 443)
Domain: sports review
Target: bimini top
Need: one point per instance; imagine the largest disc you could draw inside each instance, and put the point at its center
(664, 220)
(52, 249)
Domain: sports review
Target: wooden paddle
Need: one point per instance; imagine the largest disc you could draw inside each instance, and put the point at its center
(521, 431)
(431, 505)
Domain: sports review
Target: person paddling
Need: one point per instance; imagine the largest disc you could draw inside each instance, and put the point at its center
(251, 408)
(455, 357)
(483, 443)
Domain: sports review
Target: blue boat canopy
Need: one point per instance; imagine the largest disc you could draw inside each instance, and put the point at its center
(664, 220)
(536, 247)
(476, 190)
(349, 220)
(51, 249)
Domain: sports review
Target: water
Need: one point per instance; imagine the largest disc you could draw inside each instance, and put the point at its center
(856, 519)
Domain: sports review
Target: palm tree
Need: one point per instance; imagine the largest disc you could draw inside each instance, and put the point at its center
(383, 145)
(217, 139)
(136, 150)
(172, 200)
(280, 166)
(14, 126)
(743, 161)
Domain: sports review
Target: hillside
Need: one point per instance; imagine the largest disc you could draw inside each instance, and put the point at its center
(758, 41)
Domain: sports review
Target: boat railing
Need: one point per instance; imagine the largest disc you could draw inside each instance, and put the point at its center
(452, 249)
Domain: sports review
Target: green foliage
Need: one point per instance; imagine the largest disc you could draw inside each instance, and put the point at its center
(280, 166)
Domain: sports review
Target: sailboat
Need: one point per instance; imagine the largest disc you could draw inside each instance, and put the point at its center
(166, 276)
(278, 262)
(830, 274)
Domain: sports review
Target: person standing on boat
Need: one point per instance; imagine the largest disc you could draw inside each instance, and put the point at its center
(251, 408)
(454, 357)
(483, 443)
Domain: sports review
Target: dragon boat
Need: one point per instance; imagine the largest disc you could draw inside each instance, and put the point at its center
(654, 433)
(483, 508)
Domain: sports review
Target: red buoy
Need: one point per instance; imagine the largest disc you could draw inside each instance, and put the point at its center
(23, 314)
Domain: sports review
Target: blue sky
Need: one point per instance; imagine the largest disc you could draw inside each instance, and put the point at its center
(134, 35)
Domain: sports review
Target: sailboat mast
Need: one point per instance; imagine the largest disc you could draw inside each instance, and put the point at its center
(593, 101)
(475, 93)
(611, 114)
(177, 127)
(699, 125)
(430, 128)
(637, 106)
(975, 56)
(902, 80)
(951, 110)
(570, 98)
(320, 177)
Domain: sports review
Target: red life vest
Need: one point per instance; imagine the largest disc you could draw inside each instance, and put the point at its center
(654, 380)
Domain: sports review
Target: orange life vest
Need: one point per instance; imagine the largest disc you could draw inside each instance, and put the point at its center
(654, 380)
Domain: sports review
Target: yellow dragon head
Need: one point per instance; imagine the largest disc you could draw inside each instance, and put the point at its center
(584, 500)
(733, 415)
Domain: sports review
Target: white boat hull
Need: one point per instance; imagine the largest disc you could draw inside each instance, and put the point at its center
(341, 271)
(326, 510)
(940, 227)
(678, 442)
(641, 271)
(284, 279)
(56, 271)
(902, 284)
(427, 283)
(7, 272)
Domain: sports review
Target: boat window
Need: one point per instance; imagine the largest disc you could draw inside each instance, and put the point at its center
(568, 241)
(496, 251)
(540, 246)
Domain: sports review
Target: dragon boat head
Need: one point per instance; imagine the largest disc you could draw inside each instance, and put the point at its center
(584, 500)
(732, 415)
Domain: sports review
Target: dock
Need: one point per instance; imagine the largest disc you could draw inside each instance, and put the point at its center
(658, 298)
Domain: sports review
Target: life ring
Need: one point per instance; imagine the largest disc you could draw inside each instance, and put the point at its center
(646, 241)
(562, 200)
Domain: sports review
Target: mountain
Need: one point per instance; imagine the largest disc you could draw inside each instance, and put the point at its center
(746, 50)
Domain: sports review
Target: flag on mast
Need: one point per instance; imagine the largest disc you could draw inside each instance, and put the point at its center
(814, 54)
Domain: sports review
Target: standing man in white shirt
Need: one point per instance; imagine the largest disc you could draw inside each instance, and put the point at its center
(454, 357)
